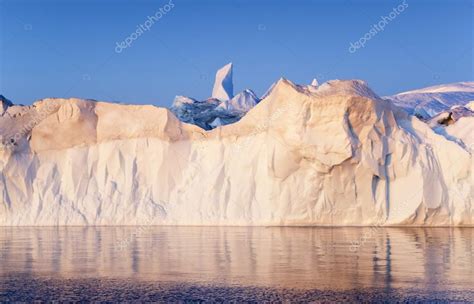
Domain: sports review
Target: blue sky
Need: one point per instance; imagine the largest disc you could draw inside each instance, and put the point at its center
(67, 48)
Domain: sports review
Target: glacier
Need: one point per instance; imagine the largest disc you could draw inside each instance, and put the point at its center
(331, 154)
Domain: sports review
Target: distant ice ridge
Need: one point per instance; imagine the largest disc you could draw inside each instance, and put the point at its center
(429, 102)
(333, 154)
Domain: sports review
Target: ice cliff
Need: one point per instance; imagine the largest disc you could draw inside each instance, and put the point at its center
(333, 154)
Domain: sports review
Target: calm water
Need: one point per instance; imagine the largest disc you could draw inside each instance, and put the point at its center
(242, 264)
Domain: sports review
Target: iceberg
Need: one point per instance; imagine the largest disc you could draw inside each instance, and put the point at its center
(335, 155)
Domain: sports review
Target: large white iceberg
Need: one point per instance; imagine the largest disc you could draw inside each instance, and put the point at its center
(335, 155)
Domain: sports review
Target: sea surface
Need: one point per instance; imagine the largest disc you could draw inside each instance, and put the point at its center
(236, 264)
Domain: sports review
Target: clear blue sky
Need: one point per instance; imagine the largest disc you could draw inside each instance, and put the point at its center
(67, 48)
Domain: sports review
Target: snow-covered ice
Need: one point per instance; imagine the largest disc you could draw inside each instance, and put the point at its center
(429, 102)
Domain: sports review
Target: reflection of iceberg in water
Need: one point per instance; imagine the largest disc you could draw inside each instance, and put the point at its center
(283, 257)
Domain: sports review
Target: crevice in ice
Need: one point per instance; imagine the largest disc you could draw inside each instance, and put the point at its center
(387, 163)
(375, 183)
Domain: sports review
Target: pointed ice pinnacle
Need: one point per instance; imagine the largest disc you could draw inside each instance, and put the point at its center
(315, 82)
(223, 86)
